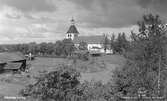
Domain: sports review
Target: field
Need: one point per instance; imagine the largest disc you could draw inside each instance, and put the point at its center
(10, 84)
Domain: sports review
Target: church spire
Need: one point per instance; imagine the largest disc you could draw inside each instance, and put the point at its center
(73, 28)
(72, 21)
(72, 31)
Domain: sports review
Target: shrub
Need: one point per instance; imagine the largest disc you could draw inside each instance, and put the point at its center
(63, 85)
(57, 85)
(95, 91)
(83, 56)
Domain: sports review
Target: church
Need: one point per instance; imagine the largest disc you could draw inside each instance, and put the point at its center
(94, 42)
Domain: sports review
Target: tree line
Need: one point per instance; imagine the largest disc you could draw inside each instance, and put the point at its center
(60, 47)
(66, 47)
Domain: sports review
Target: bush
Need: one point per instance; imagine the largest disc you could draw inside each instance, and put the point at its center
(83, 56)
(63, 85)
(95, 91)
(58, 85)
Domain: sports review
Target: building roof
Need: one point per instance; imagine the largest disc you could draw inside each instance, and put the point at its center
(73, 29)
(11, 56)
(98, 39)
(12, 66)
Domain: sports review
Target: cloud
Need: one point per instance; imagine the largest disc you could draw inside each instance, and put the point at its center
(30, 5)
(155, 7)
(109, 13)
(116, 13)
(30, 17)
(159, 5)
(19, 27)
(13, 16)
(48, 20)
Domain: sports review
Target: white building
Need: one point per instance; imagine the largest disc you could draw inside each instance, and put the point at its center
(95, 42)
(72, 31)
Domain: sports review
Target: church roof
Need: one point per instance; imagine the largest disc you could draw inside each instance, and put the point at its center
(98, 39)
(73, 29)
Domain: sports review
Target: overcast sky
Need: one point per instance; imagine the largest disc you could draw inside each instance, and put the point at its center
(48, 20)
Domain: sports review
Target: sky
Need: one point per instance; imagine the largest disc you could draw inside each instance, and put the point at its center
(23, 21)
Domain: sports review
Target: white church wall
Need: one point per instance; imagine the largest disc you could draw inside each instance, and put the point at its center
(70, 36)
(90, 46)
(98, 48)
(109, 51)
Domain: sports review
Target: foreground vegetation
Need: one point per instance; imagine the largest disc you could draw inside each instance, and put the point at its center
(11, 84)
(144, 69)
(63, 84)
(147, 59)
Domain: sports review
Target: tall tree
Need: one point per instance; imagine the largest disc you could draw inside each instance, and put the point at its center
(125, 43)
(112, 42)
(118, 44)
(105, 42)
(68, 47)
(121, 45)
(43, 48)
(58, 48)
(146, 61)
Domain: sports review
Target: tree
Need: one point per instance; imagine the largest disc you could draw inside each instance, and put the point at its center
(43, 48)
(147, 55)
(133, 36)
(32, 47)
(118, 44)
(125, 42)
(64, 47)
(68, 47)
(58, 48)
(112, 42)
(50, 47)
(121, 45)
(105, 42)
(83, 46)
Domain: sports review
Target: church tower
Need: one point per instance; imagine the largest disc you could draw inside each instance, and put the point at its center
(72, 31)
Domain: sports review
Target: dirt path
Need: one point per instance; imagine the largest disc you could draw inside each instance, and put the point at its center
(104, 76)
(8, 89)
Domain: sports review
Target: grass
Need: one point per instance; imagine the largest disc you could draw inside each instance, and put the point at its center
(111, 62)
(114, 59)
(15, 84)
